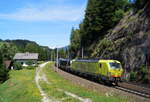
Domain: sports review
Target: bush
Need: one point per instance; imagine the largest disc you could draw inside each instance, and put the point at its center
(103, 45)
(30, 67)
(29, 63)
(146, 79)
(143, 70)
(3, 74)
(17, 66)
(40, 62)
(133, 76)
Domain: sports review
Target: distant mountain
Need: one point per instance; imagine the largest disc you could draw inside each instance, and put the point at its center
(65, 48)
(20, 43)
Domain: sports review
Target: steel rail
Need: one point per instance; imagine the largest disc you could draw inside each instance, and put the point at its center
(133, 91)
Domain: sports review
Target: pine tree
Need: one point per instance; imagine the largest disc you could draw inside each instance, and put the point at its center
(1, 58)
(75, 41)
(101, 15)
(138, 4)
(3, 71)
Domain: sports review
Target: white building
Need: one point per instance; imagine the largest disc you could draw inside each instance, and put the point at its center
(25, 58)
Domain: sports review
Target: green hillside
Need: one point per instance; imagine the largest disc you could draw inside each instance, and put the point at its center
(15, 46)
(116, 29)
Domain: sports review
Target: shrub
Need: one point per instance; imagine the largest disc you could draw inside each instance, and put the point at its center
(143, 70)
(146, 79)
(133, 76)
(103, 45)
(29, 62)
(30, 67)
(17, 66)
(130, 34)
(3, 74)
(40, 62)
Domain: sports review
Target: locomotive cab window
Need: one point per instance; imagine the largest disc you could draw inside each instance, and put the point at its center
(115, 65)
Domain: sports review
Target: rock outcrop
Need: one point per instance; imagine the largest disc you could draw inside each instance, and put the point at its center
(129, 41)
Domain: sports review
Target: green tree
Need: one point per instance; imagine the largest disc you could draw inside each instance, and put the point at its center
(75, 41)
(17, 66)
(1, 57)
(32, 47)
(63, 53)
(3, 71)
(44, 52)
(8, 50)
(30, 62)
(100, 16)
(138, 4)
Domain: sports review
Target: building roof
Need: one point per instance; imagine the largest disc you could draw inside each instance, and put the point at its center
(23, 56)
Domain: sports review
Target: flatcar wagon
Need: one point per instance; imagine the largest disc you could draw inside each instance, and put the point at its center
(106, 70)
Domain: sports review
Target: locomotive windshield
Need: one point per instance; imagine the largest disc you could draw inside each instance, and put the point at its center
(115, 65)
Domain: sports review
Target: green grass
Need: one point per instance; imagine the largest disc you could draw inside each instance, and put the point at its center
(20, 87)
(57, 82)
(40, 62)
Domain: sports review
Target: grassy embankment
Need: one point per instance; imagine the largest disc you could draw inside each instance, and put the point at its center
(57, 83)
(20, 87)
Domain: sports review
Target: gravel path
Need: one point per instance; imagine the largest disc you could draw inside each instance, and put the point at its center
(41, 76)
(37, 79)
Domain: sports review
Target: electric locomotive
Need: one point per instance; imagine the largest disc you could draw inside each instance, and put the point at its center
(109, 71)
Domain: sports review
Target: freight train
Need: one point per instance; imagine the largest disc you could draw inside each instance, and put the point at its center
(108, 71)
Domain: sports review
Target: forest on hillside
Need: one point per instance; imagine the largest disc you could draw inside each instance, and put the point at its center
(115, 29)
(8, 48)
(101, 16)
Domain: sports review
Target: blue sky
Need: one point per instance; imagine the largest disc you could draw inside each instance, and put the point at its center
(48, 22)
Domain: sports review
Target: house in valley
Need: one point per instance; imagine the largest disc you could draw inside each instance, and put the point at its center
(26, 58)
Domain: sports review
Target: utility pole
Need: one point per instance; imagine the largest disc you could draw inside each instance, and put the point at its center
(57, 57)
(51, 55)
(82, 52)
(68, 55)
(56, 68)
(54, 55)
(48, 56)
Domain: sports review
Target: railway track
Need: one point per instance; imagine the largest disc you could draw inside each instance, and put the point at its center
(133, 92)
(129, 88)
(135, 89)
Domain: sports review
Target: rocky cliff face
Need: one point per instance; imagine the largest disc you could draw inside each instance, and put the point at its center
(129, 41)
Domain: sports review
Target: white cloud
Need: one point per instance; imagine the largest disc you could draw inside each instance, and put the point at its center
(56, 13)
